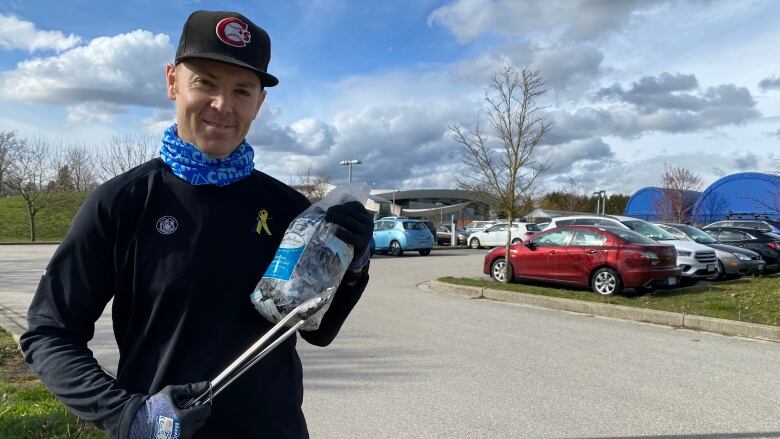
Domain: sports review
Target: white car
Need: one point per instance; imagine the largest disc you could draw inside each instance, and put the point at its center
(697, 261)
(478, 226)
(496, 235)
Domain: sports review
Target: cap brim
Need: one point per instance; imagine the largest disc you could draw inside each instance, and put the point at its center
(266, 79)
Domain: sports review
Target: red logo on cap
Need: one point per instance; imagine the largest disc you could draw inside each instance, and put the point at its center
(233, 31)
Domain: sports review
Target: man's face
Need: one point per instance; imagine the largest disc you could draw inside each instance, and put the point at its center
(215, 103)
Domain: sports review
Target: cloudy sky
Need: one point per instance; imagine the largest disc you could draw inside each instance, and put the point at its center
(631, 84)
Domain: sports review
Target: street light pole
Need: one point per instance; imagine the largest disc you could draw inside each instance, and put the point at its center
(349, 163)
(601, 206)
(603, 202)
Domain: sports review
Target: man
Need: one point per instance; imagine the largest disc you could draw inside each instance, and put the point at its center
(179, 243)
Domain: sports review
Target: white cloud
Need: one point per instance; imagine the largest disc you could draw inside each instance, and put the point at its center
(569, 70)
(398, 145)
(667, 103)
(125, 69)
(313, 135)
(103, 112)
(20, 34)
(157, 122)
(573, 19)
(628, 176)
(562, 158)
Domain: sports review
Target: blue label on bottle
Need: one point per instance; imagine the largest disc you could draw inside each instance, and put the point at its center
(286, 257)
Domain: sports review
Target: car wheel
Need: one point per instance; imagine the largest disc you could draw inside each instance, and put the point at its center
(606, 282)
(516, 241)
(395, 248)
(497, 270)
(474, 243)
(425, 252)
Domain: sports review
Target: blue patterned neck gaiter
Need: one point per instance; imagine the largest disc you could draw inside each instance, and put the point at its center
(192, 165)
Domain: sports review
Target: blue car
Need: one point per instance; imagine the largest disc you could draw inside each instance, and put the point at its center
(394, 235)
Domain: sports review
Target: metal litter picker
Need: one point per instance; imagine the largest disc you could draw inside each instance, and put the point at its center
(258, 350)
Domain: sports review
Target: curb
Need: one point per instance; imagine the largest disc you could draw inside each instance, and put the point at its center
(667, 318)
(32, 243)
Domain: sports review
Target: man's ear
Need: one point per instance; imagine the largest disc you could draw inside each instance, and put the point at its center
(170, 80)
(260, 100)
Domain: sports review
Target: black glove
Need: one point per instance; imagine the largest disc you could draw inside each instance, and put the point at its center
(162, 415)
(355, 225)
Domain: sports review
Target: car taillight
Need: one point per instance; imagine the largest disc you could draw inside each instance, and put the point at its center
(775, 245)
(529, 233)
(645, 257)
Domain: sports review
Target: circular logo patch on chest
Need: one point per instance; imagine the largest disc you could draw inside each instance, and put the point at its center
(167, 225)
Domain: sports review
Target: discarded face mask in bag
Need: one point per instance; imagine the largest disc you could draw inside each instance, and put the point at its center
(310, 261)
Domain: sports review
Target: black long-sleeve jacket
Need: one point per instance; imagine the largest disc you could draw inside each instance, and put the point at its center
(180, 262)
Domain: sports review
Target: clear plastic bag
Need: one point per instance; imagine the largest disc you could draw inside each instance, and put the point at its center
(310, 261)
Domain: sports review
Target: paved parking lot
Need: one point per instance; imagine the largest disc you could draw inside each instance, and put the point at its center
(413, 363)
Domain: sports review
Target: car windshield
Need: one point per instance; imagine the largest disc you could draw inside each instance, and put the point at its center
(697, 235)
(675, 232)
(408, 225)
(632, 237)
(650, 230)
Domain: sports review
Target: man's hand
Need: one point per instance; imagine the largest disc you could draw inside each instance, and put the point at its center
(162, 415)
(354, 226)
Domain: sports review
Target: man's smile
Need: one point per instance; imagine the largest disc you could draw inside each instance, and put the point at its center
(217, 125)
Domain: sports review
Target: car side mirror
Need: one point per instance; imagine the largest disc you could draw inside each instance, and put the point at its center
(530, 244)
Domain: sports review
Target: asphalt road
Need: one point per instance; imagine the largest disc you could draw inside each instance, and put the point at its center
(411, 363)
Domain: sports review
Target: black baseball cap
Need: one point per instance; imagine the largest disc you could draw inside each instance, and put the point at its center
(227, 37)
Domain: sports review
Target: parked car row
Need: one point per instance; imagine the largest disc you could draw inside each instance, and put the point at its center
(606, 259)
(610, 252)
(697, 261)
(605, 252)
(733, 261)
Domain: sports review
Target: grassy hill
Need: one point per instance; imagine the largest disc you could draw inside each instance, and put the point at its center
(51, 223)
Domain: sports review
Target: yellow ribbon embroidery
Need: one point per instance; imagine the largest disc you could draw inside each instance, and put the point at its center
(262, 225)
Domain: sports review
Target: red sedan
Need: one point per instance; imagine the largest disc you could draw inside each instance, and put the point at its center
(605, 259)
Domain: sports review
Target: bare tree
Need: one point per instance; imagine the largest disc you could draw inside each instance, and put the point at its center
(82, 169)
(9, 143)
(502, 164)
(313, 186)
(29, 174)
(124, 152)
(575, 198)
(674, 203)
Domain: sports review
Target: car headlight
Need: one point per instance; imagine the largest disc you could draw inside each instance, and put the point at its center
(684, 253)
(742, 257)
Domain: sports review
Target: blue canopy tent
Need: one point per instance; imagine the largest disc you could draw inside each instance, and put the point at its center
(745, 195)
(643, 203)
